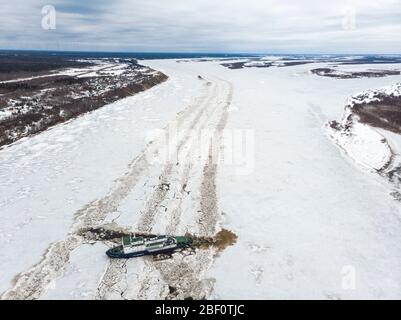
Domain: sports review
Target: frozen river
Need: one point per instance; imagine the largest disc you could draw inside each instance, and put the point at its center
(310, 222)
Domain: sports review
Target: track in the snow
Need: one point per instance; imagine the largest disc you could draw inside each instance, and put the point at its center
(208, 112)
(182, 276)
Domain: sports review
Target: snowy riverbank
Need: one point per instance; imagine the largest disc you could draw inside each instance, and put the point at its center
(364, 144)
(364, 140)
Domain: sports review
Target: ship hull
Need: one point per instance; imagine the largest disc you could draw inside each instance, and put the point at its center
(119, 254)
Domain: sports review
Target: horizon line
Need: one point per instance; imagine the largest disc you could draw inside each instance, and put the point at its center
(194, 52)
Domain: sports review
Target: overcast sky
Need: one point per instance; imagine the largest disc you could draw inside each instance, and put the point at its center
(259, 26)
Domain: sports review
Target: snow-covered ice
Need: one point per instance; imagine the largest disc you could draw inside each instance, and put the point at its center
(45, 179)
(307, 218)
(365, 145)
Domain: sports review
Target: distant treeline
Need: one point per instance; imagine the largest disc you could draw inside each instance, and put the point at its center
(13, 67)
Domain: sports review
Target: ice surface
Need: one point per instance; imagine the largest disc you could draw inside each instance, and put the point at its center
(45, 179)
(313, 211)
(76, 282)
(305, 215)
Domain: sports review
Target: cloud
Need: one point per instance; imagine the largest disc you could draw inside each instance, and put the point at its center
(206, 25)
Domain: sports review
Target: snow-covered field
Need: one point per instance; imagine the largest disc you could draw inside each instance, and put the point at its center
(311, 222)
(92, 71)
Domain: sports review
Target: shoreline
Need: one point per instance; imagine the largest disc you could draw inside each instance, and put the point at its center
(38, 103)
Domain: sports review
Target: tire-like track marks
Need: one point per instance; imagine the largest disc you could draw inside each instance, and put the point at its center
(33, 283)
(182, 276)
